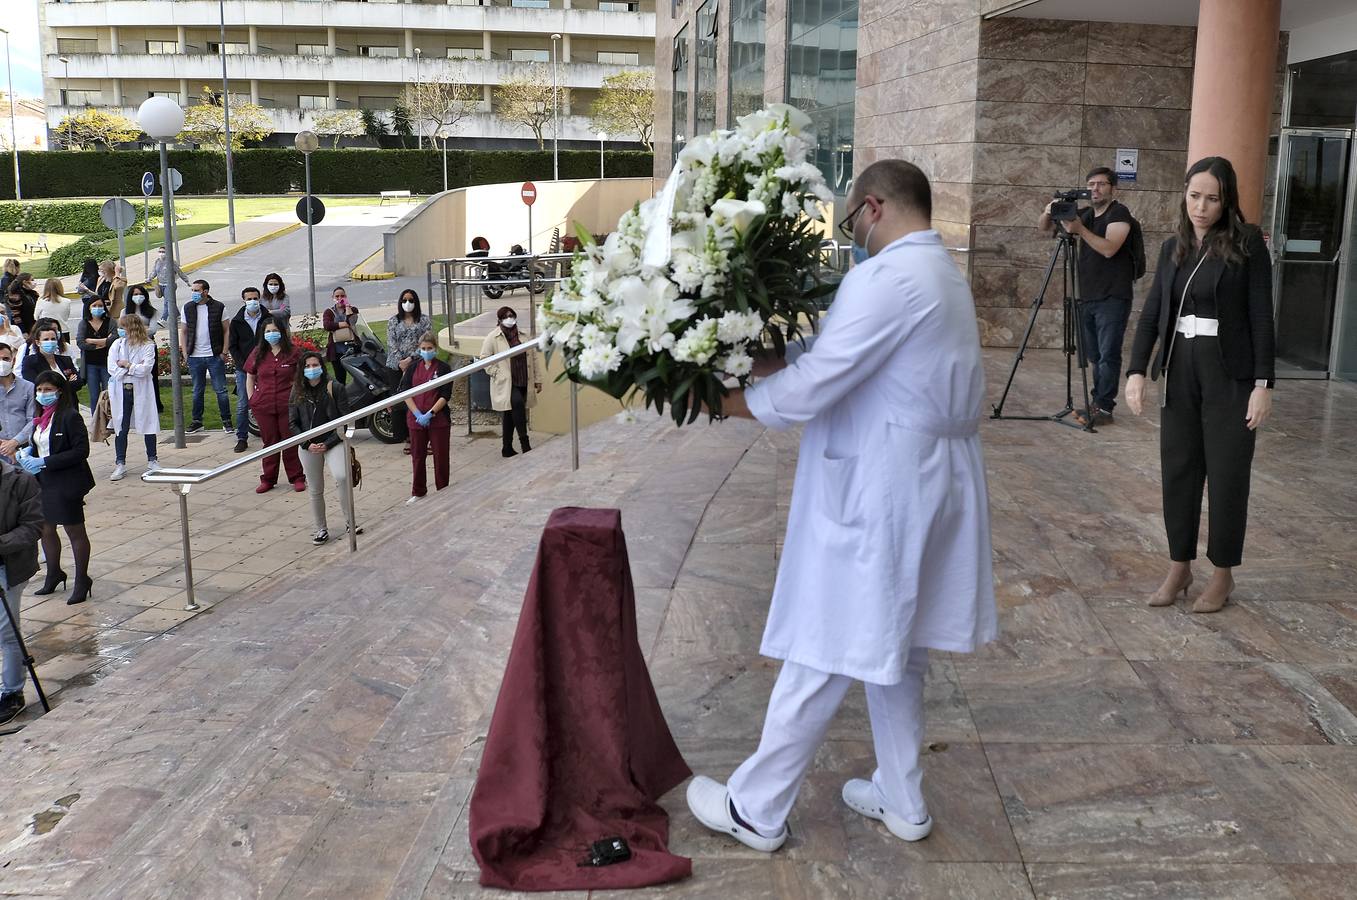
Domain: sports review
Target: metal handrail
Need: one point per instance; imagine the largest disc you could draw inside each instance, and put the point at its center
(183, 480)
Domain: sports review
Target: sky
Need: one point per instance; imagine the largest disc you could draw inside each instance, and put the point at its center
(21, 18)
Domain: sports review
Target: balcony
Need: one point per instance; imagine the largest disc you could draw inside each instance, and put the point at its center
(203, 69)
(296, 14)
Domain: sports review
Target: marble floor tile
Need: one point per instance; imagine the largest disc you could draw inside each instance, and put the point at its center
(1317, 882)
(1044, 628)
(1297, 803)
(1156, 881)
(1235, 634)
(1101, 700)
(1101, 804)
(1311, 633)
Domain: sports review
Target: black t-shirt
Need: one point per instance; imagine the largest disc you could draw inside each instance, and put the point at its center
(1101, 278)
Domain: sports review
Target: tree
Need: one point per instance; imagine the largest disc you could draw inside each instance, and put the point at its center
(402, 123)
(443, 102)
(204, 124)
(374, 126)
(626, 105)
(92, 126)
(337, 123)
(525, 99)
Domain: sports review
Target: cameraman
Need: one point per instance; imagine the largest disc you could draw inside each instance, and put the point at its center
(1106, 271)
(20, 528)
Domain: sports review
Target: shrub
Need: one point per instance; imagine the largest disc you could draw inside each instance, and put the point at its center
(72, 217)
(71, 258)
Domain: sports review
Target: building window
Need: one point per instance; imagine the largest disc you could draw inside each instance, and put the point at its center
(376, 102)
(382, 52)
(614, 6)
(616, 58)
(706, 69)
(822, 80)
(233, 48)
(77, 45)
(162, 48)
(747, 21)
(467, 2)
(81, 98)
(680, 67)
(530, 55)
(173, 95)
(466, 53)
(313, 101)
(313, 49)
(531, 4)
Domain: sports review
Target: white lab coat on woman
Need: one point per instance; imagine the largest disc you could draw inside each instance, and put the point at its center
(145, 419)
(888, 537)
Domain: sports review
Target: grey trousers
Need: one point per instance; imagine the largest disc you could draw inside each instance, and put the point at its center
(314, 465)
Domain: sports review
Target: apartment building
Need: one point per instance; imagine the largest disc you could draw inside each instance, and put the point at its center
(296, 57)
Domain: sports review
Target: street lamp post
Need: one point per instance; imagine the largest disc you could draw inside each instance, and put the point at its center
(13, 129)
(419, 126)
(602, 136)
(66, 86)
(442, 134)
(162, 119)
(307, 142)
(226, 120)
(555, 117)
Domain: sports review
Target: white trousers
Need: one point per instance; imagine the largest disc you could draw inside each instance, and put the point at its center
(800, 709)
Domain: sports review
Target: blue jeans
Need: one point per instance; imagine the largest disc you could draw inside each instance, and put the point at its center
(242, 407)
(12, 670)
(97, 379)
(199, 367)
(124, 428)
(1103, 329)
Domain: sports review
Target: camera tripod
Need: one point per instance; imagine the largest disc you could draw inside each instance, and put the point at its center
(1064, 255)
(27, 657)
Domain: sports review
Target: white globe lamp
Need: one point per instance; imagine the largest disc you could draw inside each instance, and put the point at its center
(161, 118)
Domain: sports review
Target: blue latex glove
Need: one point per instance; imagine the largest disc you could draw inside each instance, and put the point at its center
(424, 419)
(33, 464)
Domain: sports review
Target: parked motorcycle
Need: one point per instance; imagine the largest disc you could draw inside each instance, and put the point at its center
(518, 273)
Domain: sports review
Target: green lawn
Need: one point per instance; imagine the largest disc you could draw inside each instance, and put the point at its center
(211, 417)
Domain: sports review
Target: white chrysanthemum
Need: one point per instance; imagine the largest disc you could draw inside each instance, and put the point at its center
(599, 360)
(698, 344)
(739, 328)
(737, 363)
(592, 336)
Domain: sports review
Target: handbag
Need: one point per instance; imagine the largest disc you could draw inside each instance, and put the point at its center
(343, 334)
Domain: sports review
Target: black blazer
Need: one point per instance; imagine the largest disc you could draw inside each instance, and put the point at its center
(1243, 293)
(68, 470)
(309, 410)
(35, 365)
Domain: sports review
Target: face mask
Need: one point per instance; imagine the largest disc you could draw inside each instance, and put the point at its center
(97, 312)
(408, 306)
(860, 252)
(47, 399)
(427, 355)
(312, 372)
(274, 286)
(6, 368)
(197, 296)
(252, 306)
(48, 346)
(510, 322)
(273, 337)
(341, 301)
(122, 332)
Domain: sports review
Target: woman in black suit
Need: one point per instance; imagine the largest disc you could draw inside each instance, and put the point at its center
(47, 353)
(1210, 314)
(58, 455)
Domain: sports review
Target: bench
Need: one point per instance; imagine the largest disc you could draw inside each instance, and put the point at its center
(394, 195)
(40, 245)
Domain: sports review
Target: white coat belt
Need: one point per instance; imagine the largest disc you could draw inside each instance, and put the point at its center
(936, 426)
(1198, 326)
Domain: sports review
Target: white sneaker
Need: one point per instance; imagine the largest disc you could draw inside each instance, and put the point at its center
(710, 803)
(413, 500)
(861, 796)
(152, 466)
(119, 472)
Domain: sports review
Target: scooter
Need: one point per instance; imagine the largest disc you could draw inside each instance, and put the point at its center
(517, 273)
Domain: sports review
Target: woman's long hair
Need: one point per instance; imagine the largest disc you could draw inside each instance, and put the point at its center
(282, 287)
(52, 290)
(139, 301)
(135, 327)
(65, 396)
(89, 272)
(302, 388)
(35, 336)
(1225, 239)
(418, 310)
(106, 319)
(262, 346)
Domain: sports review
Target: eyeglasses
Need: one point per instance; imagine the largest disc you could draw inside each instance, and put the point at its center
(846, 226)
(1103, 184)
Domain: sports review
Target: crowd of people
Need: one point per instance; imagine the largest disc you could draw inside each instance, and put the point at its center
(103, 340)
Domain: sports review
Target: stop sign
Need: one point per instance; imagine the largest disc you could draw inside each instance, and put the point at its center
(529, 193)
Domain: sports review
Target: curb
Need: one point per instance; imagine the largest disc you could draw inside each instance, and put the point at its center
(236, 248)
(359, 275)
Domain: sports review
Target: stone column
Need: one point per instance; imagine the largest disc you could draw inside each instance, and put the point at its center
(330, 40)
(184, 98)
(486, 44)
(409, 43)
(113, 40)
(254, 91)
(181, 35)
(254, 40)
(1232, 90)
(332, 95)
(117, 92)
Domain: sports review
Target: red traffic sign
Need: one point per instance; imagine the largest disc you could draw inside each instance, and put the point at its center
(529, 193)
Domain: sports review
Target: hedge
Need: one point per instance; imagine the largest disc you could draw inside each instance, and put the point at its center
(71, 217)
(278, 170)
(71, 258)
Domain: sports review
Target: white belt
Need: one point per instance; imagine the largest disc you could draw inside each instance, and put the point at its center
(1197, 326)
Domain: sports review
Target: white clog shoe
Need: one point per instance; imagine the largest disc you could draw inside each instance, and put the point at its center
(861, 797)
(710, 802)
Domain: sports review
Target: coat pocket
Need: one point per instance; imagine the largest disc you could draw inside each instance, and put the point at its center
(841, 493)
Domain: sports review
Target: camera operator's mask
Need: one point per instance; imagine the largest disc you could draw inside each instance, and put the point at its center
(860, 252)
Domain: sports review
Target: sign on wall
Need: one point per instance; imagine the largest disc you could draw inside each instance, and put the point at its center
(1128, 162)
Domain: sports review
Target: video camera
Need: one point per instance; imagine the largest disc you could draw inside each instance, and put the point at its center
(1066, 205)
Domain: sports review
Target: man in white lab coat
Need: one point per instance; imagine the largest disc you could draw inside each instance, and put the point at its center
(887, 553)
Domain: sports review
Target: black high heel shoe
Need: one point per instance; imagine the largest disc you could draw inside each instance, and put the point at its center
(83, 590)
(50, 585)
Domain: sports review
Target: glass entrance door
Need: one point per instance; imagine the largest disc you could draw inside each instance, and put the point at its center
(1308, 246)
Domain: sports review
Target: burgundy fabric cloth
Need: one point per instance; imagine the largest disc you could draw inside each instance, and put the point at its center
(578, 749)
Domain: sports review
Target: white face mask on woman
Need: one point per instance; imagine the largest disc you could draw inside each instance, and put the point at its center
(408, 306)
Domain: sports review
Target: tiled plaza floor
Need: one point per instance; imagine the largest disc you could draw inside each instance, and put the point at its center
(318, 733)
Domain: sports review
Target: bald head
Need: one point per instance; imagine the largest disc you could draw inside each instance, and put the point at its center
(899, 183)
